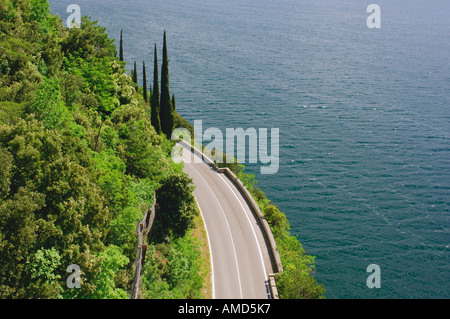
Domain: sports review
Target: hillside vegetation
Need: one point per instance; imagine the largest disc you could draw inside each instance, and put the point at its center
(83, 151)
(80, 165)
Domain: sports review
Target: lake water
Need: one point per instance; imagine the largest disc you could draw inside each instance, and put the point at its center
(364, 119)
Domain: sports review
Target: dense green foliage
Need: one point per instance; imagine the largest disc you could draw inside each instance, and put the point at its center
(80, 165)
(173, 270)
(179, 204)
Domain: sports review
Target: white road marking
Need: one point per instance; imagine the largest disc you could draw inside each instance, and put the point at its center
(251, 225)
(229, 230)
(210, 252)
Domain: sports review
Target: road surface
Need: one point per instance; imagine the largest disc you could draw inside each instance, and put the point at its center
(239, 255)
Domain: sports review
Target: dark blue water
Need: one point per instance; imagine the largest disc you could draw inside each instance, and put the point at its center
(364, 119)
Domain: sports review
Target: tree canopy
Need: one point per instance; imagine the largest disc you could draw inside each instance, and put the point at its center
(81, 160)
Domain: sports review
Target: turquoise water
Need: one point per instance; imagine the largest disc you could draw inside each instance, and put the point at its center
(364, 119)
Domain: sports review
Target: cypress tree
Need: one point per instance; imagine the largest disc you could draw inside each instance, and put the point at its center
(121, 46)
(154, 99)
(156, 123)
(173, 102)
(166, 109)
(144, 83)
(135, 76)
(156, 79)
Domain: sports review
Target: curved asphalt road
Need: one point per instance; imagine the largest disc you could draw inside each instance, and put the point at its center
(239, 255)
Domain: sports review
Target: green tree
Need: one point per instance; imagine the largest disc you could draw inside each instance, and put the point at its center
(166, 108)
(295, 283)
(138, 143)
(135, 76)
(5, 171)
(177, 206)
(154, 99)
(88, 41)
(111, 260)
(40, 13)
(99, 88)
(276, 219)
(144, 83)
(121, 46)
(48, 106)
(43, 272)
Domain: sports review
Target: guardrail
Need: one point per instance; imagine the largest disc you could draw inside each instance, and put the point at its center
(273, 253)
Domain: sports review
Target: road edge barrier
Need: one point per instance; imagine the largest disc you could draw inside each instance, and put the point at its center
(142, 229)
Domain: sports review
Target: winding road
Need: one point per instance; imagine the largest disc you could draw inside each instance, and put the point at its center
(240, 259)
